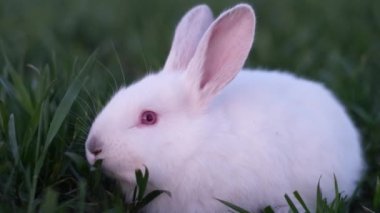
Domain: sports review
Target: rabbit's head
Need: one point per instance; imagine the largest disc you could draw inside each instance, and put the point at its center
(164, 119)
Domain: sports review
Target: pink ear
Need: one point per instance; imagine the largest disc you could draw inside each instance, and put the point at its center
(187, 35)
(222, 51)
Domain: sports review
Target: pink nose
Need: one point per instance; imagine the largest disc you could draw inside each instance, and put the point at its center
(94, 146)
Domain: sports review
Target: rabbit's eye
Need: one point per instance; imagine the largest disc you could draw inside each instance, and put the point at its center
(148, 118)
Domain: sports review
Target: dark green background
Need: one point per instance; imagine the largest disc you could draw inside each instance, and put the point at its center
(336, 42)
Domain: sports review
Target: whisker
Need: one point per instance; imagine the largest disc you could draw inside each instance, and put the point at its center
(119, 62)
(110, 74)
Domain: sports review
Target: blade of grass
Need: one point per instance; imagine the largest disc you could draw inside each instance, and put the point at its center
(321, 203)
(96, 172)
(55, 124)
(233, 206)
(291, 204)
(151, 196)
(145, 181)
(58, 118)
(50, 201)
(14, 150)
(337, 202)
(301, 201)
(376, 199)
(22, 93)
(134, 195)
(40, 130)
(82, 195)
(78, 160)
(141, 183)
(41, 94)
(10, 180)
(13, 140)
(63, 110)
(66, 103)
(336, 188)
(3, 116)
(319, 198)
(268, 209)
(7, 87)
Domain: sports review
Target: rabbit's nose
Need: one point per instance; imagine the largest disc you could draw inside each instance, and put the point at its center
(94, 146)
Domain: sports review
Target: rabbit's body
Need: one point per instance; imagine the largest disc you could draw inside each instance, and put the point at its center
(206, 131)
(264, 146)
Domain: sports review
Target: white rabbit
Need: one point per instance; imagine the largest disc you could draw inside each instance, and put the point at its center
(206, 129)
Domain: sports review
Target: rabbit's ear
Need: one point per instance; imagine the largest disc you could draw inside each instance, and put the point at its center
(222, 51)
(187, 35)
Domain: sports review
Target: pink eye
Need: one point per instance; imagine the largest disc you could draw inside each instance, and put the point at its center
(148, 117)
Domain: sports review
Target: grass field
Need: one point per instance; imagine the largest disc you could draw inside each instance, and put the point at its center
(61, 60)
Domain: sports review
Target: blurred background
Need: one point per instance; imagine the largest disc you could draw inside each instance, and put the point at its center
(336, 42)
(303, 36)
(317, 39)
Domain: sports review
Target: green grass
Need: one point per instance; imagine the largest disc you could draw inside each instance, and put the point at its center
(340, 203)
(61, 60)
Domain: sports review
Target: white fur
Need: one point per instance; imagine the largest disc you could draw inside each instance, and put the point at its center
(248, 140)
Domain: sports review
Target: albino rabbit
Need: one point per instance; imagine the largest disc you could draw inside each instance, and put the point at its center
(206, 129)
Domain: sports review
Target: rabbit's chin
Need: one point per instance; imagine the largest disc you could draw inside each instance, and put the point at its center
(121, 174)
(125, 177)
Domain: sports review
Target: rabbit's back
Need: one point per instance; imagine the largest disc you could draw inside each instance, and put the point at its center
(296, 128)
